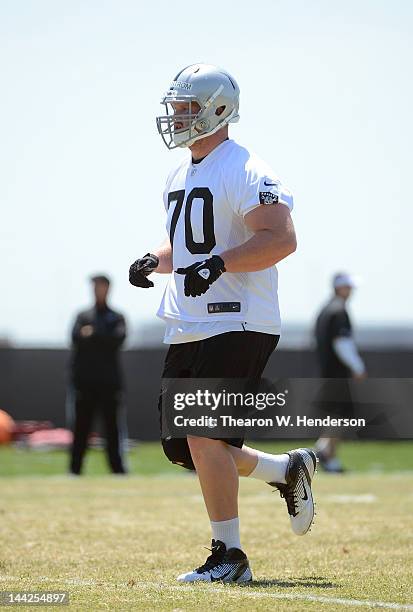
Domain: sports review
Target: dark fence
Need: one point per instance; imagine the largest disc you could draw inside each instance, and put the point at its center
(33, 382)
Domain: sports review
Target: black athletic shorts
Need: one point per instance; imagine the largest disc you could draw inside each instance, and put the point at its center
(229, 355)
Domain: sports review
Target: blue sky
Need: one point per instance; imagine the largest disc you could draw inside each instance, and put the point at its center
(326, 99)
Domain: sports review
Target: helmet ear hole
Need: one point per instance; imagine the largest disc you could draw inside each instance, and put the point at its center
(220, 110)
(202, 125)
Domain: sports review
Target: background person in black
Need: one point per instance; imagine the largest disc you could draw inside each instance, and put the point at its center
(338, 357)
(97, 336)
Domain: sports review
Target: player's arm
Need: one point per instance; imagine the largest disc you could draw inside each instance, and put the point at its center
(273, 240)
(346, 350)
(160, 261)
(164, 254)
(110, 336)
(81, 331)
(344, 346)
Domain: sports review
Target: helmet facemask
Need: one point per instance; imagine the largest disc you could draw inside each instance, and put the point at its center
(198, 125)
(191, 123)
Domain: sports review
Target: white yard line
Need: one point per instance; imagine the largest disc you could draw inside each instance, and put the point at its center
(244, 592)
(366, 498)
(362, 498)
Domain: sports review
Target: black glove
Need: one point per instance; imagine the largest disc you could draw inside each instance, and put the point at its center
(141, 268)
(200, 276)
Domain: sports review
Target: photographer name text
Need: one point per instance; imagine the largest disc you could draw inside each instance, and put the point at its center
(279, 421)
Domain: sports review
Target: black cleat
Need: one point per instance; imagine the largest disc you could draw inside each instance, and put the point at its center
(297, 492)
(222, 565)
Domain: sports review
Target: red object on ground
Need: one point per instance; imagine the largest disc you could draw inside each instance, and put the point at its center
(7, 426)
(24, 428)
(50, 438)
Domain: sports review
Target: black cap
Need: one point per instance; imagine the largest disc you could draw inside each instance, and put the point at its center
(100, 278)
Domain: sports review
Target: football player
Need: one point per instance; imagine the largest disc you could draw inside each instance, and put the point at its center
(228, 224)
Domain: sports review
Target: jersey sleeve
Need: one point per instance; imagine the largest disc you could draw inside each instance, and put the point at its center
(255, 184)
(341, 326)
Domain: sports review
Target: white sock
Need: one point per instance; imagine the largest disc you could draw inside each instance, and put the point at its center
(323, 445)
(270, 468)
(227, 532)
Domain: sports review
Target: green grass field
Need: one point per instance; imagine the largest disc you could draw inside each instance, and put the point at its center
(118, 543)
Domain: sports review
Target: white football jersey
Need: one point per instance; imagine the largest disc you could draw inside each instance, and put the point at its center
(206, 203)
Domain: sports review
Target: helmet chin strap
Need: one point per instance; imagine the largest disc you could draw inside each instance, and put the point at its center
(233, 117)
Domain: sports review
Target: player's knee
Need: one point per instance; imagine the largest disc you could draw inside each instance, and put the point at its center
(177, 451)
(203, 447)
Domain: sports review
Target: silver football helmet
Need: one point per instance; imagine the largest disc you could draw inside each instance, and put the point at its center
(212, 88)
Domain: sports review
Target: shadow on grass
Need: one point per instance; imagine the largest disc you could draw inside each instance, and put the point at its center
(306, 582)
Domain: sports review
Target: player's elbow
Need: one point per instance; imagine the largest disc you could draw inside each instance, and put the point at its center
(292, 244)
(290, 239)
(288, 246)
(277, 253)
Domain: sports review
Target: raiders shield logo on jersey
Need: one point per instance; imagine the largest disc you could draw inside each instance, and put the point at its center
(267, 197)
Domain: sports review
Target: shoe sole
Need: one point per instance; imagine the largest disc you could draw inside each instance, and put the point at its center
(239, 580)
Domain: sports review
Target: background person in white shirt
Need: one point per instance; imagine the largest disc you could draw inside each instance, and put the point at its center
(228, 224)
